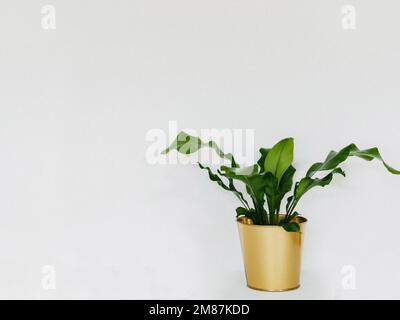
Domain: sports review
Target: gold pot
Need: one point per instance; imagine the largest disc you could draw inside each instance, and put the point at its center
(272, 256)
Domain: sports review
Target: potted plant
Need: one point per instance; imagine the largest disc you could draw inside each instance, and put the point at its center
(271, 240)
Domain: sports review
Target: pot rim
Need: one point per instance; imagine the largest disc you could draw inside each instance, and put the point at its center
(301, 219)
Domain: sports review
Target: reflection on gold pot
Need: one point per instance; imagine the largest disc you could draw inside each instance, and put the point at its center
(272, 256)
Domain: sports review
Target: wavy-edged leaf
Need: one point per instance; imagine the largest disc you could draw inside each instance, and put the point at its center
(264, 152)
(308, 183)
(371, 154)
(237, 193)
(279, 158)
(187, 144)
(231, 187)
(335, 158)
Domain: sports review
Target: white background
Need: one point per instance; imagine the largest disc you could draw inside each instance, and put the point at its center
(76, 190)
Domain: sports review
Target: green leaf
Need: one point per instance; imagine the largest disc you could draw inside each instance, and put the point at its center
(264, 152)
(332, 161)
(285, 185)
(307, 183)
(240, 211)
(291, 227)
(255, 185)
(271, 192)
(276, 192)
(249, 213)
(244, 172)
(286, 182)
(187, 144)
(335, 158)
(231, 187)
(237, 193)
(371, 154)
(279, 158)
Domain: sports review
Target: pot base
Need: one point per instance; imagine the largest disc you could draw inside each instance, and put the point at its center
(277, 290)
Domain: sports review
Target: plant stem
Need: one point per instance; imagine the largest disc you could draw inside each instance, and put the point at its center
(245, 204)
(290, 210)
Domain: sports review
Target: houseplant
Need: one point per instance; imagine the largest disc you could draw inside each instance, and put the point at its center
(271, 240)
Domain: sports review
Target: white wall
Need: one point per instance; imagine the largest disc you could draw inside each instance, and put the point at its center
(76, 190)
